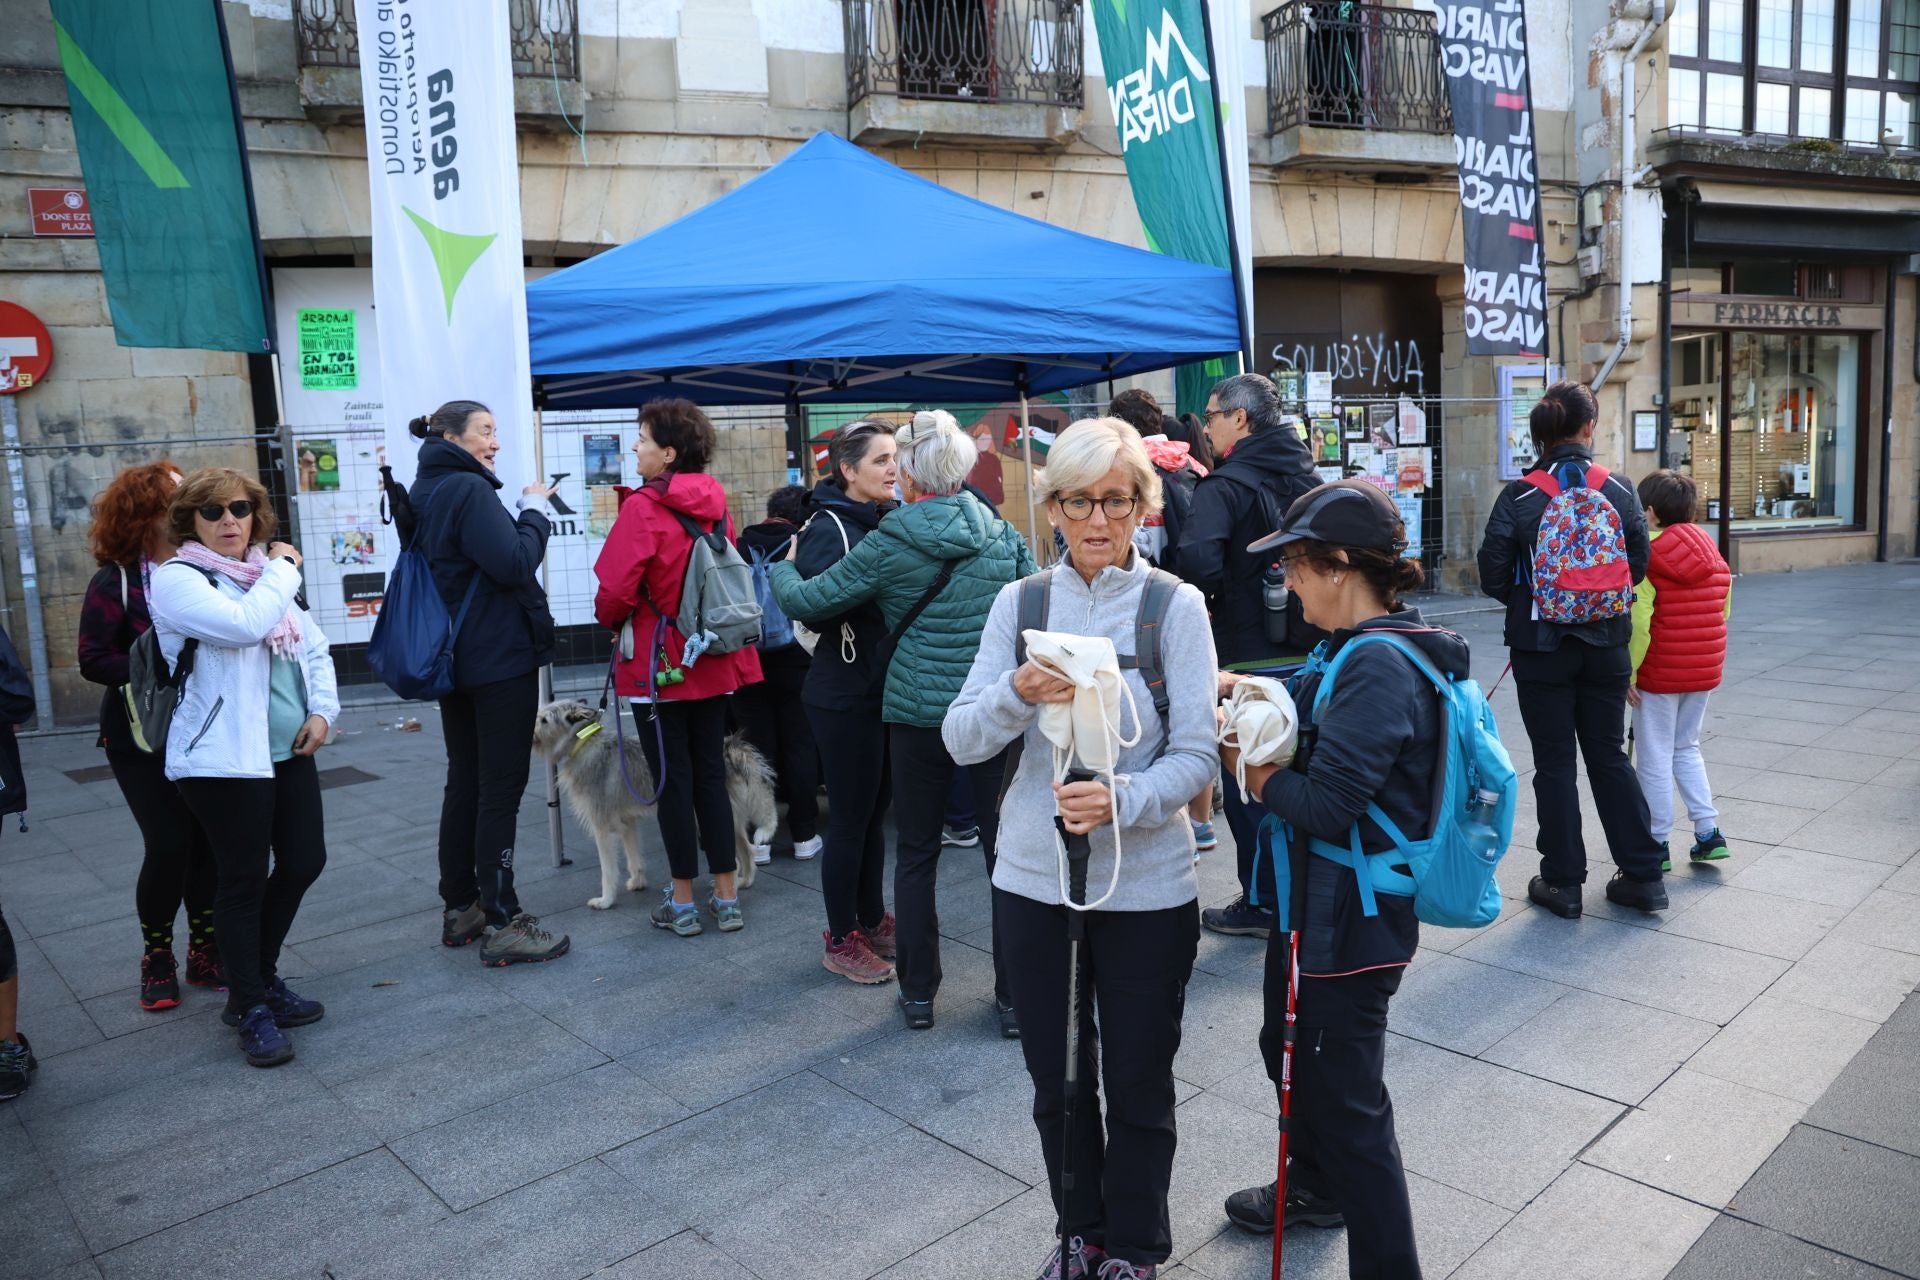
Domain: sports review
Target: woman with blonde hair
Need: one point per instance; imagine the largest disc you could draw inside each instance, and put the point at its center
(1143, 928)
(129, 538)
(258, 701)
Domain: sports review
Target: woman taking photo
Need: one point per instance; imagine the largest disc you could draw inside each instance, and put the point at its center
(486, 562)
(129, 539)
(258, 702)
(1141, 940)
(842, 699)
(1377, 739)
(681, 718)
(934, 566)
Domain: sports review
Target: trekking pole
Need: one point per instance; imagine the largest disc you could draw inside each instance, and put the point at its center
(1079, 849)
(1296, 908)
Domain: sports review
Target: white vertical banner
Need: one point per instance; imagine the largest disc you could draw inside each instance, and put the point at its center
(443, 170)
(1231, 25)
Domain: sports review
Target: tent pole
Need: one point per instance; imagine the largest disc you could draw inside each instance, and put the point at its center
(1026, 443)
(556, 838)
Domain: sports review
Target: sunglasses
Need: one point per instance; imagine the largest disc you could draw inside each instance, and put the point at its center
(239, 509)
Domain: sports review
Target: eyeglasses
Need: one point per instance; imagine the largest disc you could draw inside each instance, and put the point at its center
(239, 509)
(1210, 414)
(1116, 506)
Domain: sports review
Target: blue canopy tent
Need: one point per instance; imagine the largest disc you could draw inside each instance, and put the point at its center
(838, 277)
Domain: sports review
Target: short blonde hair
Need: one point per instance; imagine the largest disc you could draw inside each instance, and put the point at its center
(936, 452)
(1083, 454)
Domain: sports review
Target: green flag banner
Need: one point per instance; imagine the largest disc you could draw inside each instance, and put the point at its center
(156, 125)
(1162, 92)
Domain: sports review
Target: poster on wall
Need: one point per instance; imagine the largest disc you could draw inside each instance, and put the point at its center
(602, 458)
(1319, 392)
(1521, 386)
(1413, 422)
(319, 463)
(329, 356)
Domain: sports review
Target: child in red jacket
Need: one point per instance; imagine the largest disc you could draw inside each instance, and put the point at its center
(1679, 649)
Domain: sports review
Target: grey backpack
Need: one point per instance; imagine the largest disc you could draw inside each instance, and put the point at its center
(718, 599)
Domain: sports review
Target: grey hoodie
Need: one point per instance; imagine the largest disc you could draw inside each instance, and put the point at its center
(1150, 802)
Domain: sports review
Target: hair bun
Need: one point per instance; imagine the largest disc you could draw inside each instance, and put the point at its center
(421, 427)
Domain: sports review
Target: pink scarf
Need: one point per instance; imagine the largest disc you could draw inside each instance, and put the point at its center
(284, 639)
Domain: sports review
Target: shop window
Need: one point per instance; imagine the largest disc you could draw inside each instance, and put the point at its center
(1767, 279)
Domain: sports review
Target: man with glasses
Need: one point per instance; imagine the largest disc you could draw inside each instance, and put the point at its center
(1264, 464)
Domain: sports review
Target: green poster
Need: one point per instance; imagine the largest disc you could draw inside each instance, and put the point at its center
(1162, 94)
(329, 354)
(154, 121)
(319, 465)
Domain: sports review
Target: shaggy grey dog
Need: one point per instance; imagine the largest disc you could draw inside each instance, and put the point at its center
(590, 780)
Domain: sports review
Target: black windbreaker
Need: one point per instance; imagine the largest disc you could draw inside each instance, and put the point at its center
(833, 684)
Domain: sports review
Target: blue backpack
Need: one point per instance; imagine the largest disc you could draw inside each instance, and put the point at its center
(1452, 871)
(411, 648)
(776, 629)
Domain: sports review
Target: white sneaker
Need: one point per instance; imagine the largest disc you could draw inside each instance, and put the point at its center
(808, 850)
(762, 854)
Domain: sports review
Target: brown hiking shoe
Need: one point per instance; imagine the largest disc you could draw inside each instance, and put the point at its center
(881, 938)
(854, 960)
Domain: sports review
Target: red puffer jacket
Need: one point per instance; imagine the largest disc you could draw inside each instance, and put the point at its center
(1687, 649)
(645, 559)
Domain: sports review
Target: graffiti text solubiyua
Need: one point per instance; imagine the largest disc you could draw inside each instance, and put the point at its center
(1391, 365)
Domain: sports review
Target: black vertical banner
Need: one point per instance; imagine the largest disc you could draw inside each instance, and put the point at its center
(1483, 45)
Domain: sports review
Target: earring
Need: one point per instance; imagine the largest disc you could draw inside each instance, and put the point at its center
(1336, 579)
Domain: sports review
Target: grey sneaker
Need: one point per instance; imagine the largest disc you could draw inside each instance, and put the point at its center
(727, 914)
(458, 928)
(685, 923)
(522, 941)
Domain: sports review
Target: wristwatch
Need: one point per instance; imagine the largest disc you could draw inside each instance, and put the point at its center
(289, 559)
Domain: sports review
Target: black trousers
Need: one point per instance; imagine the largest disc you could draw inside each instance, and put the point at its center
(1341, 1145)
(853, 870)
(922, 778)
(772, 716)
(695, 813)
(1577, 695)
(269, 845)
(1134, 971)
(489, 729)
(1243, 820)
(178, 865)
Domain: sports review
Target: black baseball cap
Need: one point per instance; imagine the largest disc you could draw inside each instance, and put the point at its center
(1346, 513)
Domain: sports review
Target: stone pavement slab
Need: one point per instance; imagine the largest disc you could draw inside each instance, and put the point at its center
(1735, 1250)
(1696, 1137)
(1591, 1225)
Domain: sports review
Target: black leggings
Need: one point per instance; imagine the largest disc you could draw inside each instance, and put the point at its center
(922, 778)
(776, 721)
(853, 751)
(695, 812)
(178, 866)
(9, 958)
(489, 733)
(251, 822)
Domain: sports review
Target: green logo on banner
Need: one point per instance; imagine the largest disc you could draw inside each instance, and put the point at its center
(454, 253)
(117, 115)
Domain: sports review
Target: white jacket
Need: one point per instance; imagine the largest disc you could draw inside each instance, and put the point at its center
(219, 729)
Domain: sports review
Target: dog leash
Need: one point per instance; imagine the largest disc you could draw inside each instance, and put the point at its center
(653, 715)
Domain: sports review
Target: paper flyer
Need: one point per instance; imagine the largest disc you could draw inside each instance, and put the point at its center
(1319, 393)
(1413, 422)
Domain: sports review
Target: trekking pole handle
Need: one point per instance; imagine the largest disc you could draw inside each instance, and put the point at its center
(1079, 847)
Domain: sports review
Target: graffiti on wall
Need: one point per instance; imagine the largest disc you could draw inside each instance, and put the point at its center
(1380, 363)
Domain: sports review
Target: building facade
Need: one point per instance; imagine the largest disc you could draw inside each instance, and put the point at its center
(1767, 345)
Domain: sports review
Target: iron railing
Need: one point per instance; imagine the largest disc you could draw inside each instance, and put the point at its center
(1340, 65)
(546, 35)
(965, 50)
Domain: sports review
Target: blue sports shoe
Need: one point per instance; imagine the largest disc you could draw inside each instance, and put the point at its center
(1204, 841)
(263, 1043)
(290, 1008)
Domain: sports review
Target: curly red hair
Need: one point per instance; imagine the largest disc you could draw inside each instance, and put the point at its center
(125, 512)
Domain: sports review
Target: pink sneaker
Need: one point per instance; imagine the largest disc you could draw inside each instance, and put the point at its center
(854, 960)
(881, 938)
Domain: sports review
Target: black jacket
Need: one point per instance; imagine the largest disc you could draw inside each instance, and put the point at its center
(1506, 553)
(785, 667)
(832, 683)
(1176, 496)
(16, 707)
(1241, 501)
(466, 532)
(1377, 740)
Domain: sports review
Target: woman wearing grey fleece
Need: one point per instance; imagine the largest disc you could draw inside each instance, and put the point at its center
(1141, 941)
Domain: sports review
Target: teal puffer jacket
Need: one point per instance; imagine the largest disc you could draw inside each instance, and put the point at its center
(894, 565)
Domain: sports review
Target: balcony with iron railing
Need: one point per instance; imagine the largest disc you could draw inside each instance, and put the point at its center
(964, 70)
(545, 51)
(1356, 86)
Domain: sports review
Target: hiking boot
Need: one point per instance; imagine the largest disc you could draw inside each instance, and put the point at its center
(522, 941)
(458, 928)
(917, 1014)
(1120, 1269)
(1009, 1021)
(1082, 1258)
(726, 913)
(1642, 895)
(159, 981)
(684, 921)
(1252, 1209)
(1711, 847)
(1561, 899)
(17, 1065)
(1666, 861)
(809, 849)
(854, 960)
(884, 938)
(261, 1040)
(290, 1008)
(1239, 918)
(1204, 840)
(203, 969)
(960, 837)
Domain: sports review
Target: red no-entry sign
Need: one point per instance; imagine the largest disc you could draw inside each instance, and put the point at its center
(26, 349)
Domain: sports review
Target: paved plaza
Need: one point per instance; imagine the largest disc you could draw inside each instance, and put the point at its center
(1730, 1089)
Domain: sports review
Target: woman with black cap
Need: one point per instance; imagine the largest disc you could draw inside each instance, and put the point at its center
(1376, 740)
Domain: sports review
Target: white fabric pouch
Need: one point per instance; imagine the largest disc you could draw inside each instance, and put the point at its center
(1262, 724)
